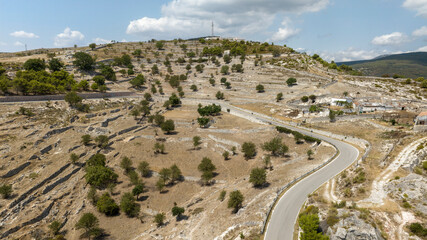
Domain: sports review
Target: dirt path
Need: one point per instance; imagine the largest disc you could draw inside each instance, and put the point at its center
(378, 193)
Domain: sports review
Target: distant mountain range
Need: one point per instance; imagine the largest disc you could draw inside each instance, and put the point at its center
(411, 65)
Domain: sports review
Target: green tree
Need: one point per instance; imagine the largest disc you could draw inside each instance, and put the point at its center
(137, 53)
(249, 150)
(193, 87)
(54, 227)
(86, 139)
(160, 185)
(225, 69)
(260, 88)
(99, 79)
(98, 159)
(279, 97)
(227, 59)
(84, 61)
(74, 158)
(73, 99)
(222, 195)
(155, 69)
(227, 85)
(100, 176)
(129, 206)
(226, 155)
(267, 162)
(126, 164)
(168, 126)
(258, 177)
(138, 81)
(6, 190)
(304, 99)
(107, 205)
(159, 45)
(203, 122)
(291, 81)
(159, 219)
(219, 95)
(83, 85)
(196, 141)
(92, 196)
(144, 169)
(34, 64)
(92, 46)
(206, 167)
(312, 98)
(174, 100)
(176, 174)
(235, 200)
(55, 65)
(165, 174)
(90, 224)
(101, 141)
(275, 146)
(332, 115)
(147, 96)
(108, 73)
(309, 153)
(309, 224)
(178, 211)
(159, 148)
(138, 189)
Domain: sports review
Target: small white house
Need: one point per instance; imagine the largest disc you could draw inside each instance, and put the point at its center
(340, 101)
(421, 122)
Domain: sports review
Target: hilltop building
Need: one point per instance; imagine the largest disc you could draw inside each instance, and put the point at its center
(421, 122)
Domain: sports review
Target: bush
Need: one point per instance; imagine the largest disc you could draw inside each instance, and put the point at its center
(258, 177)
(107, 205)
(235, 201)
(83, 61)
(34, 64)
(126, 164)
(129, 206)
(177, 211)
(6, 190)
(144, 169)
(418, 229)
(291, 81)
(89, 223)
(86, 139)
(138, 189)
(275, 146)
(100, 176)
(222, 195)
(249, 150)
(101, 141)
(209, 110)
(203, 122)
(73, 99)
(159, 219)
(260, 88)
(425, 165)
(96, 160)
(168, 126)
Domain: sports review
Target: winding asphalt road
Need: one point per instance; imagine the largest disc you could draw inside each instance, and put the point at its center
(285, 213)
(286, 210)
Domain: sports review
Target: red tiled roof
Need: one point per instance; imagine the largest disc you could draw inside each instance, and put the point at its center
(422, 114)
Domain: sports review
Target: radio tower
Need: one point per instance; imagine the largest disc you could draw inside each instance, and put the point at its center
(212, 29)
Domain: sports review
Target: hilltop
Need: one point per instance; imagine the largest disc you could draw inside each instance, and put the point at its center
(411, 65)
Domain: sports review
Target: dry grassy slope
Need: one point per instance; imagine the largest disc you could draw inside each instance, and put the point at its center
(69, 198)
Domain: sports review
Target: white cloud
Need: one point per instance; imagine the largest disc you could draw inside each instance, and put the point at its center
(100, 40)
(422, 49)
(68, 38)
(285, 32)
(3, 44)
(420, 32)
(350, 54)
(189, 18)
(18, 44)
(395, 38)
(420, 6)
(23, 34)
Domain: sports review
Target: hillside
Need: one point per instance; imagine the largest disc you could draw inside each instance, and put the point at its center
(411, 65)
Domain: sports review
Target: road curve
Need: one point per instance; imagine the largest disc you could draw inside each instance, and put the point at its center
(285, 213)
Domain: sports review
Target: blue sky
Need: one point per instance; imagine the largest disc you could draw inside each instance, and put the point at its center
(336, 29)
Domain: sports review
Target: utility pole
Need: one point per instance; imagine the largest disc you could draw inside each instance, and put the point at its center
(212, 29)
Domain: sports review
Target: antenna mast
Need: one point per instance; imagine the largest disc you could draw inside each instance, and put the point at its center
(212, 29)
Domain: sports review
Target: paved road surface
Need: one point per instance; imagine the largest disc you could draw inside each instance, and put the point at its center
(285, 213)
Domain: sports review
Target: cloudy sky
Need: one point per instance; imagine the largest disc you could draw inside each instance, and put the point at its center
(338, 30)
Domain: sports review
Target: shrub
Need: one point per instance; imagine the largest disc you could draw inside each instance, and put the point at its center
(222, 195)
(96, 160)
(100, 176)
(258, 177)
(107, 205)
(101, 141)
(235, 200)
(275, 146)
(168, 126)
(89, 223)
(177, 211)
(144, 169)
(249, 149)
(6, 190)
(126, 164)
(129, 206)
(159, 219)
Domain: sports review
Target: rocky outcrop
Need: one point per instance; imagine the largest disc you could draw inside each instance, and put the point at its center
(56, 131)
(15, 171)
(412, 189)
(352, 228)
(106, 122)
